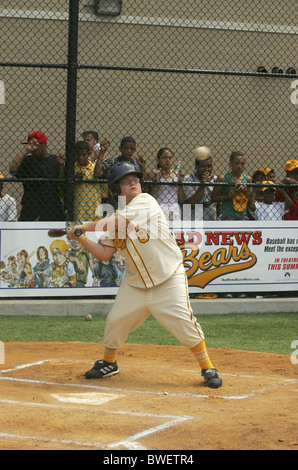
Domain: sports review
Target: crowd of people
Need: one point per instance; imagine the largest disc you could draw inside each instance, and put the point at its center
(199, 195)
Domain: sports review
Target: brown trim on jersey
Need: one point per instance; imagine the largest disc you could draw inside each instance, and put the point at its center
(192, 317)
(153, 284)
(136, 267)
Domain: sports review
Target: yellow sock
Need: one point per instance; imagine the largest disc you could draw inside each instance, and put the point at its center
(201, 354)
(109, 355)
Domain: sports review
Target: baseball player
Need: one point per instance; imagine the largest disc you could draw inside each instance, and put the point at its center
(155, 281)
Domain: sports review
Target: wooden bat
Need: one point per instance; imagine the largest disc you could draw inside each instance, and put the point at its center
(57, 233)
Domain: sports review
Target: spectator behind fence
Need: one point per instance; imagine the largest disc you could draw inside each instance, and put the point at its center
(291, 178)
(269, 174)
(235, 194)
(169, 197)
(292, 209)
(8, 207)
(201, 195)
(268, 208)
(127, 150)
(87, 196)
(96, 148)
(256, 194)
(41, 199)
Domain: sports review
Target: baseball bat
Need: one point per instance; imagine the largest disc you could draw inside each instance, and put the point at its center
(56, 233)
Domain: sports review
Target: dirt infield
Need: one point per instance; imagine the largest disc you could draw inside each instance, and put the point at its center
(157, 402)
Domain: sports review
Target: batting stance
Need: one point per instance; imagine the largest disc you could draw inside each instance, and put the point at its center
(155, 281)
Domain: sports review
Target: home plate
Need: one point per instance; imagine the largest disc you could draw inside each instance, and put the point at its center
(86, 398)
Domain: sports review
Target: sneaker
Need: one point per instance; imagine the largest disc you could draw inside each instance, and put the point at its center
(102, 369)
(211, 377)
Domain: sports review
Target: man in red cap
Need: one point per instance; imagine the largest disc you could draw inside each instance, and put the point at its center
(41, 199)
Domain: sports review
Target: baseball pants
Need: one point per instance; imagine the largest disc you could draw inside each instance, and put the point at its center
(167, 302)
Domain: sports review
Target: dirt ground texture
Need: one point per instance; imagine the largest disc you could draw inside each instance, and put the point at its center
(158, 401)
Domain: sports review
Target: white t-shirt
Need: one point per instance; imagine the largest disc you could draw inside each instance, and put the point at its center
(167, 198)
(209, 207)
(149, 248)
(8, 209)
(274, 211)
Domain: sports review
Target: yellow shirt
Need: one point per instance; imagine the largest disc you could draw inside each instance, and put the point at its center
(87, 196)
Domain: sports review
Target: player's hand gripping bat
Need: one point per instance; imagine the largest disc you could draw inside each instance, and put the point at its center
(57, 233)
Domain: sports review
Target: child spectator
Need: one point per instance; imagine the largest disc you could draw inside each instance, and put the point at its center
(96, 149)
(269, 174)
(8, 207)
(291, 178)
(127, 150)
(201, 195)
(235, 194)
(87, 196)
(168, 197)
(268, 208)
(257, 194)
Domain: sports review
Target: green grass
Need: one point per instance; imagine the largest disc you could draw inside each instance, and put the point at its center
(272, 333)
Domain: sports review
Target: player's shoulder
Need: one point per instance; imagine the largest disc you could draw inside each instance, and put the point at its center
(146, 198)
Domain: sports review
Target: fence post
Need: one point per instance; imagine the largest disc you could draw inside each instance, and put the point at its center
(71, 104)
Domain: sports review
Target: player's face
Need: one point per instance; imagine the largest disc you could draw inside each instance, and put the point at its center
(130, 187)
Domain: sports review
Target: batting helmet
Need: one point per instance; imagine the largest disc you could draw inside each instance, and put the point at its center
(116, 172)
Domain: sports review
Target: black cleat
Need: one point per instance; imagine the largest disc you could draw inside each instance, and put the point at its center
(211, 377)
(102, 369)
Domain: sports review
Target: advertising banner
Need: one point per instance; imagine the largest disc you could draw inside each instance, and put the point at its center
(219, 257)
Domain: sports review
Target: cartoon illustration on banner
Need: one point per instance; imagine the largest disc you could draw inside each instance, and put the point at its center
(214, 258)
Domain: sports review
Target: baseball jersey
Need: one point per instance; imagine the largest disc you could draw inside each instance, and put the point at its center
(150, 251)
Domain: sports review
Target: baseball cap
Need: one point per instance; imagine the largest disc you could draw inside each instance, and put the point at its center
(268, 187)
(291, 165)
(37, 135)
(259, 172)
(60, 245)
(267, 170)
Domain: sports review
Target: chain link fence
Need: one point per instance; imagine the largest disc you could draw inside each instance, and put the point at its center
(172, 77)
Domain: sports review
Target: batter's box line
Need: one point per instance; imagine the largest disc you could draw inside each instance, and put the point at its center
(93, 387)
(244, 376)
(25, 366)
(143, 392)
(131, 443)
(38, 363)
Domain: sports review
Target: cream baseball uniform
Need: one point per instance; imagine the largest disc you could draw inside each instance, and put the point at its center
(155, 281)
